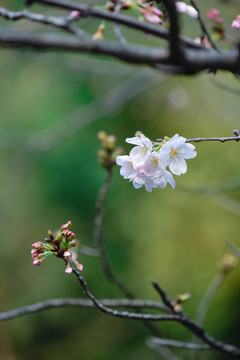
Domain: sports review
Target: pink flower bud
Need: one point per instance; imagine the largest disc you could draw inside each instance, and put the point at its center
(68, 269)
(34, 253)
(66, 226)
(72, 243)
(38, 245)
(154, 10)
(38, 262)
(79, 266)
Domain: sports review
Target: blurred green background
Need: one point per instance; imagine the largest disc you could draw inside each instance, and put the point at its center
(52, 107)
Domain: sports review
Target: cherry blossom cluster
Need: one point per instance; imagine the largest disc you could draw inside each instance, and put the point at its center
(59, 247)
(147, 163)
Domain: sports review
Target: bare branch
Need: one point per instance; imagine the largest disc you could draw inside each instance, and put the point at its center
(194, 62)
(180, 318)
(55, 303)
(64, 22)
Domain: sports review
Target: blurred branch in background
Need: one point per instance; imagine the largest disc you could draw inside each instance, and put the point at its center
(110, 103)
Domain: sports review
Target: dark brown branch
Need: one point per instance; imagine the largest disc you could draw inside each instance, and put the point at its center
(195, 328)
(120, 314)
(180, 318)
(176, 51)
(46, 41)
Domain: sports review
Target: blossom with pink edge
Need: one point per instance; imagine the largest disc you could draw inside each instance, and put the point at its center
(188, 10)
(152, 14)
(236, 23)
(174, 152)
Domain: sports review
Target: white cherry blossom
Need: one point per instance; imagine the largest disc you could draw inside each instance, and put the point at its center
(139, 152)
(174, 152)
(127, 169)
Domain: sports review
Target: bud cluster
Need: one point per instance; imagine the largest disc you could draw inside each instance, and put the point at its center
(59, 247)
(108, 153)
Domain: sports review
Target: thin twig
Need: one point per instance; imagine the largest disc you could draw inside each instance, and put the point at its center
(202, 25)
(97, 237)
(117, 28)
(221, 139)
(222, 86)
(206, 302)
(63, 22)
(235, 250)
(209, 296)
(153, 341)
(89, 251)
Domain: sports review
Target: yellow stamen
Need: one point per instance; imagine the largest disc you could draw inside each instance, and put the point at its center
(153, 162)
(174, 153)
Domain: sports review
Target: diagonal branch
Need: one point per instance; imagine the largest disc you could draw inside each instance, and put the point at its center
(202, 25)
